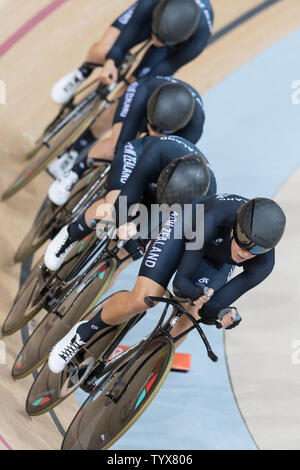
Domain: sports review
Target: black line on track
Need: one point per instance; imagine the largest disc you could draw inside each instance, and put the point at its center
(242, 19)
(25, 270)
(26, 265)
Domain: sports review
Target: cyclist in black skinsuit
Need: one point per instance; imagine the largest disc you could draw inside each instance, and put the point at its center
(131, 119)
(134, 174)
(183, 29)
(237, 232)
(180, 32)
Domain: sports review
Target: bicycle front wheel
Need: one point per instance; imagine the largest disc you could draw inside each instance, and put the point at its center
(101, 421)
(61, 141)
(27, 304)
(53, 328)
(53, 218)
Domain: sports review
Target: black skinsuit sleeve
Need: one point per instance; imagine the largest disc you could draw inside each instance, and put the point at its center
(137, 30)
(254, 273)
(135, 116)
(146, 171)
(184, 279)
(182, 54)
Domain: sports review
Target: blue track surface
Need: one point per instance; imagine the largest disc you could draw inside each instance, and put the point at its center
(251, 140)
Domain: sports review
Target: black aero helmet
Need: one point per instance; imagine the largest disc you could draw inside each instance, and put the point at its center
(175, 21)
(170, 108)
(183, 180)
(260, 225)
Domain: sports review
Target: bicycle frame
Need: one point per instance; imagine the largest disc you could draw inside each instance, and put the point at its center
(116, 393)
(103, 91)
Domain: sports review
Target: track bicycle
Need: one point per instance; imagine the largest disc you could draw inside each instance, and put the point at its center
(81, 289)
(72, 120)
(131, 382)
(52, 218)
(49, 390)
(42, 288)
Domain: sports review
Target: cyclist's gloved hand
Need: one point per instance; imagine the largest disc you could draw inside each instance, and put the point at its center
(127, 231)
(109, 73)
(198, 292)
(225, 311)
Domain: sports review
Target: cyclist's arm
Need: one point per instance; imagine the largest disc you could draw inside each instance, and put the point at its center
(137, 30)
(184, 281)
(131, 112)
(182, 54)
(146, 171)
(254, 274)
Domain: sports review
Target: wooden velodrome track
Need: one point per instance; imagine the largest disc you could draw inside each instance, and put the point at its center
(29, 68)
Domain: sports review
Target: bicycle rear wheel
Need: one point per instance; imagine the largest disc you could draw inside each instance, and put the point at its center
(62, 140)
(100, 422)
(48, 389)
(53, 327)
(53, 218)
(25, 306)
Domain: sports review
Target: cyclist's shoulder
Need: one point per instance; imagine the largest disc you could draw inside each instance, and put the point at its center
(231, 200)
(146, 5)
(207, 17)
(261, 266)
(220, 207)
(173, 141)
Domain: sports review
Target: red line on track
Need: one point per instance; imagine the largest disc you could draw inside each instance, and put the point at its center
(5, 443)
(27, 27)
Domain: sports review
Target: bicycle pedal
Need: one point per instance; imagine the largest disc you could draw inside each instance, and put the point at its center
(113, 395)
(89, 384)
(50, 302)
(43, 273)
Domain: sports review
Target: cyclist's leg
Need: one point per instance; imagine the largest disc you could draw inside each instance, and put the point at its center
(60, 190)
(61, 245)
(64, 89)
(99, 50)
(105, 149)
(154, 277)
(159, 264)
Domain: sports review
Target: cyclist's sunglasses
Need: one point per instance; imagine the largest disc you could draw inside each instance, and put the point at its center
(243, 242)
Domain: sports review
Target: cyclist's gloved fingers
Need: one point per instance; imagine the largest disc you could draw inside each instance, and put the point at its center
(237, 319)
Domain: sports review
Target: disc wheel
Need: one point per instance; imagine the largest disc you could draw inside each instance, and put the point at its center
(53, 327)
(101, 421)
(62, 140)
(49, 390)
(53, 218)
(26, 305)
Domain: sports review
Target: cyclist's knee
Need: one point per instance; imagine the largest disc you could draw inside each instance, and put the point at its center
(101, 48)
(143, 288)
(136, 304)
